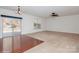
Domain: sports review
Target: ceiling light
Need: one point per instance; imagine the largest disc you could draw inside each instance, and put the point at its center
(19, 10)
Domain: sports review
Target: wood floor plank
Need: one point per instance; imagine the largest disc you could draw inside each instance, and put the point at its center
(21, 43)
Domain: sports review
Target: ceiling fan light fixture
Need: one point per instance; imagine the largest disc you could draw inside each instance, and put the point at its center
(54, 14)
(18, 10)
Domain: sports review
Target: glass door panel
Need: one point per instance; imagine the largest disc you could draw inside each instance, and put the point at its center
(6, 34)
(16, 35)
(1, 40)
(11, 34)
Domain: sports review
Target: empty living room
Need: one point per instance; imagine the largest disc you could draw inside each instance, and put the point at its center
(39, 29)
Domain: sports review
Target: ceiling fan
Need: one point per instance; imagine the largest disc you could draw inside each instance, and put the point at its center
(54, 14)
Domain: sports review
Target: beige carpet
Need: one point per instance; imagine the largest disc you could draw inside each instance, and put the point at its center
(55, 42)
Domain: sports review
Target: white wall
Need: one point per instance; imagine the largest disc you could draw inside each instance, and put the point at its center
(63, 24)
(27, 22)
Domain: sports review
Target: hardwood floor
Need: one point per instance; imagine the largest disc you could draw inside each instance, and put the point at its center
(1, 45)
(26, 43)
(18, 44)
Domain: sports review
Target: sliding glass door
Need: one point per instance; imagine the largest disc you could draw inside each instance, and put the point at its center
(11, 34)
